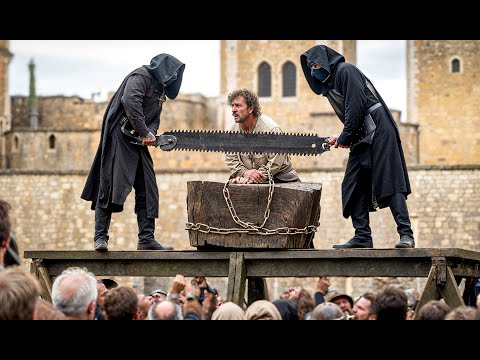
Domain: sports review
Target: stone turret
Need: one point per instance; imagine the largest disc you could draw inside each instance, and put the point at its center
(443, 92)
(32, 98)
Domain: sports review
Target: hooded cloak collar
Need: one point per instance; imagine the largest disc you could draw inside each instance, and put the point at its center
(163, 67)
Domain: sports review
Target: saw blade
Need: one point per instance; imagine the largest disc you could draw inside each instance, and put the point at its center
(243, 143)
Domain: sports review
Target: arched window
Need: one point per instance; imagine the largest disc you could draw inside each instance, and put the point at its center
(264, 80)
(455, 65)
(51, 142)
(289, 79)
(15, 143)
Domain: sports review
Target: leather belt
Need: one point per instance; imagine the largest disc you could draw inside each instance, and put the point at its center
(373, 108)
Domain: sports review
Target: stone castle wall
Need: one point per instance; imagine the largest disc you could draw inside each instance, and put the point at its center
(48, 213)
(75, 125)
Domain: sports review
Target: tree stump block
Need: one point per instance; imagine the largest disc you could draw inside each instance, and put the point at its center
(294, 206)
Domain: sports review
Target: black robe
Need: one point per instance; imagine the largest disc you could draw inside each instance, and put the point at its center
(380, 155)
(140, 97)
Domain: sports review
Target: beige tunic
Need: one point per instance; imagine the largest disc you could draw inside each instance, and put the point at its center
(280, 165)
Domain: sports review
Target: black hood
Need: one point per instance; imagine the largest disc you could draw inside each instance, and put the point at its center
(328, 59)
(162, 67)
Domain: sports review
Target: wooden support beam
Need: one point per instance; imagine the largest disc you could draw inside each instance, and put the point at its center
(236, 278)
(450, 291)
(441, 283)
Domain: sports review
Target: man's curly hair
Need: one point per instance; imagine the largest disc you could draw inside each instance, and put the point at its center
(251, 99)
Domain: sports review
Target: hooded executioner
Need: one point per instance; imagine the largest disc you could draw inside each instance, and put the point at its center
(376, 173)
(120, 165)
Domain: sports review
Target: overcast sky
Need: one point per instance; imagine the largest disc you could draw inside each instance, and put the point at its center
(82, 67)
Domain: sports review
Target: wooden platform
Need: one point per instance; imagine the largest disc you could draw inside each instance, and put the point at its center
(443, 267)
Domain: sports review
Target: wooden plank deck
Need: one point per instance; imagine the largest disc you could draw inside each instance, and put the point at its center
(443, 267)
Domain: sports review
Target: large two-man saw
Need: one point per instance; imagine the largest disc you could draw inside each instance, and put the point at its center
(238, 142)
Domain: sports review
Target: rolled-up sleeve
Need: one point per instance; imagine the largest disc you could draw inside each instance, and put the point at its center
(235, 165)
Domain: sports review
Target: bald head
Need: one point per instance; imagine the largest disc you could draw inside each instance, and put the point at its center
(165, 310)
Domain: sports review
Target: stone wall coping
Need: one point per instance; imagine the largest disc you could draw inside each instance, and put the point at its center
(160, 171)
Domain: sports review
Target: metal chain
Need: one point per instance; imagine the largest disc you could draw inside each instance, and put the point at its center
(206, 229)
(247, 227)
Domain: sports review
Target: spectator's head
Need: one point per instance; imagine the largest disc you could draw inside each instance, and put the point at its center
(74, 293)
(121, 303)
(229, 311)
(328, 311)
(462, 313)
(4, 220)
(343, 300)
(102, 291)
(391, 304)
(144, 303)
(364, 308)
(433, 310)
(305, 304)
(210, 302)
(19, 293)
(413, 297)
(45, 311)
(165, 310)
(4, 229)
(159, 295)
(262, 310)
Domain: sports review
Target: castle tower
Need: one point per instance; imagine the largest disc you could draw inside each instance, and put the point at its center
(272, 69)
(5, 114)
(443, 91)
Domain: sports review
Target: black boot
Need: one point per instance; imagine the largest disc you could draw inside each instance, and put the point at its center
(146, 229)
(361, 223)
(398, 206)
(102, 224)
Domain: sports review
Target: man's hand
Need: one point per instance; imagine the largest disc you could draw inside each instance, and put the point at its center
(178, 284)
(254, 176)
(333, 141)
(193, 288)
(240, 180)
(149, 140)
